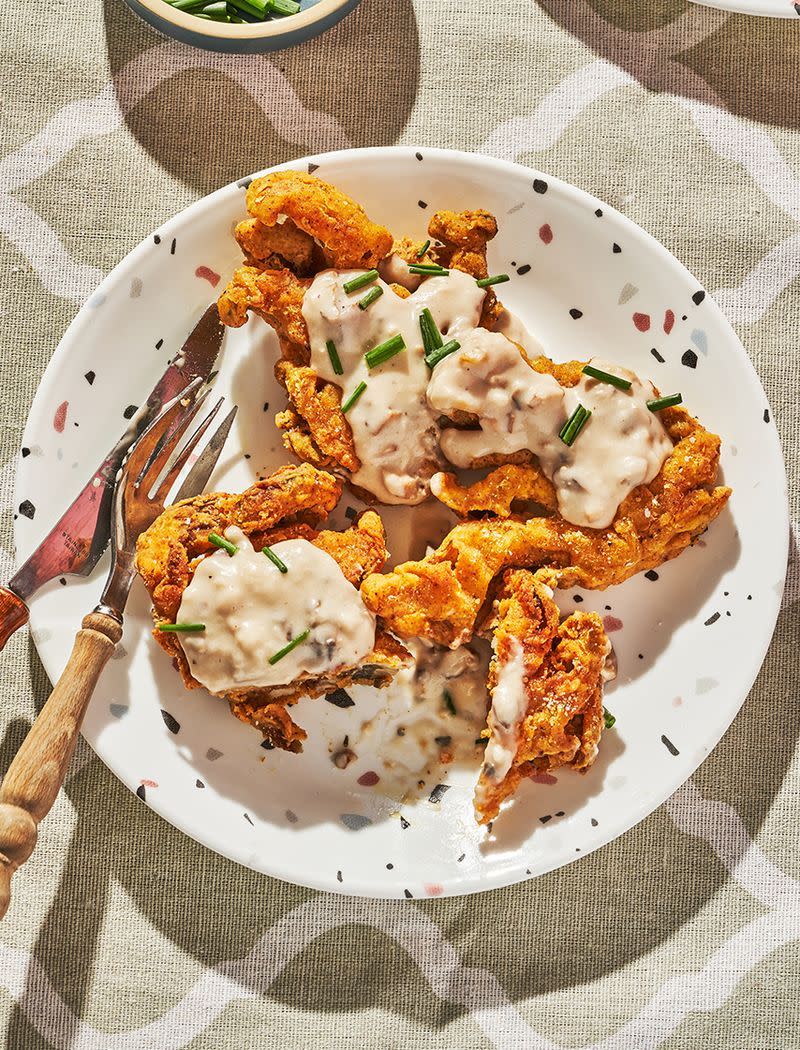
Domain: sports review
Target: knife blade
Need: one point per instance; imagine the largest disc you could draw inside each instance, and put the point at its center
(77, 541)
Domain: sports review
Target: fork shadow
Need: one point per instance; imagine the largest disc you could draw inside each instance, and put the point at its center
(214, 910)
(745, 65)
(234, 114)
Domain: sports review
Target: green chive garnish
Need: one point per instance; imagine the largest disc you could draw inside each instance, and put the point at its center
(333, 354)
(383, 352)
(292, 645)
(428, 270)
(283, 7)
(574, 425)
(370, 297)
(273, 557)
(431, 336)
(449, 703)
(670, 401)
(188, 628)
(423, 250)
(253, 8)
(222, 543)
(361, 281)
(359, 390)
(432, 360)
(608, 718)
(216, 10)
(606, 377)
(499, 278)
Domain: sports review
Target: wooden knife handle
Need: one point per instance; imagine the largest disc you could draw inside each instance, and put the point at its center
(34, 778)
(13, 614)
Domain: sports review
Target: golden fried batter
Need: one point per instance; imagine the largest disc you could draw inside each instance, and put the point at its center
(440, 597)
(291, 503)
(276, 247)
(551, 711)
(464, 236)
(347, 236)
(321, 228)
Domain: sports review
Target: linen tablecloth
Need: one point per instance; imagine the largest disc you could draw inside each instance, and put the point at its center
(683, 933)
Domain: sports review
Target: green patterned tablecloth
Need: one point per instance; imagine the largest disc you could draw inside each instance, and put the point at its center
(123, 933)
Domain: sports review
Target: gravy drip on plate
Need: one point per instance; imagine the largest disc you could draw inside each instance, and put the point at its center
(251, 611)
(435, 716)
(623, 444)
(509, 707)
(394, 429)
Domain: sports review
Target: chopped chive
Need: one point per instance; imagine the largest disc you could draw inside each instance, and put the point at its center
(499, 278)
(423, 250)
(606, 377)
(288, 648)
(449, 703)
(188, 628)
(222, 543)
(283, 7)
(670, 401)
(431, 336)
(432, 360)
(383, 352)
(361, 281)
(253, 8)
(608, 719)
(370, 297)
(186, 5)
(273, 557)
(217, 9)
(574, 425)
(428, 270)
(359, 390)
(333, 354)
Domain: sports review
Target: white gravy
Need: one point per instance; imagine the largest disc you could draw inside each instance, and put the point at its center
(251, 611)
(623, 444)
(509, 707)
(394, 429)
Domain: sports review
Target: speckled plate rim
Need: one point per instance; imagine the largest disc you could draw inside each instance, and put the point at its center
(487, 168)
(757, 8)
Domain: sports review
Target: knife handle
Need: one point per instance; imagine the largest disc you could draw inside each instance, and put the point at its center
(37, 772)
(13, 614)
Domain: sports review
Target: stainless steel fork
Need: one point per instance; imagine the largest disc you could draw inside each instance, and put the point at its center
(37, 772)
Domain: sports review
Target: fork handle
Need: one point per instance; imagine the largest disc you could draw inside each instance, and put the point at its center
(37, 772)
(13, 614)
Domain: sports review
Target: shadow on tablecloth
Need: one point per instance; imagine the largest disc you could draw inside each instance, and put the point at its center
(193, 111)
(745, 65)
(561, 931)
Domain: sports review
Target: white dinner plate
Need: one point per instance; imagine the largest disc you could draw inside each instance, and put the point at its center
(689, 643)
(765, 8)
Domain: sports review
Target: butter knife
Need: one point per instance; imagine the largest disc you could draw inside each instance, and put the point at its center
(76, 543)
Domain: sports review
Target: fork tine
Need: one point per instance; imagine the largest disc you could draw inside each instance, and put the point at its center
(169, 442)
(183, 457)
(152, 439)
(195, 481)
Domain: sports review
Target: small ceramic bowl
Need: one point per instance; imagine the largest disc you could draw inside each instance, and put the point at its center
(314, 18)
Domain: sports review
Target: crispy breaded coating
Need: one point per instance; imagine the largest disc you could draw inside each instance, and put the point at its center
(279, 247)
(464, 236)
(551, 675)
(440, 597)
(507, 487)
(315, 427)
(347, 236)
(277, 296)
(291, 503)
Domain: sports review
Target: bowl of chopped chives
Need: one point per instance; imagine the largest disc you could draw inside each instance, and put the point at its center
(243, 26)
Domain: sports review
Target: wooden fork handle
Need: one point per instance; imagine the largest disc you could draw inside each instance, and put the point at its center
(34, 778)
(13, 614)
